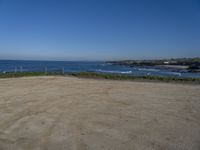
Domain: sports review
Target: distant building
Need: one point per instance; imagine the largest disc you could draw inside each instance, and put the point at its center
(169, 62)
(166, 62)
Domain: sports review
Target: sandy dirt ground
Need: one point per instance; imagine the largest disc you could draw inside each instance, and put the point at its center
(66, 113)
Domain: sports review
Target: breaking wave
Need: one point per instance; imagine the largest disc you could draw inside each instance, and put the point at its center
(120, 72)
(146, 69)
(173, 73)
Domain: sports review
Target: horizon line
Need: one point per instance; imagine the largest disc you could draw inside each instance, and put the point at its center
(98, 60)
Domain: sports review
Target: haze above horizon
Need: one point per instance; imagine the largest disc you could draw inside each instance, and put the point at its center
(99, 30)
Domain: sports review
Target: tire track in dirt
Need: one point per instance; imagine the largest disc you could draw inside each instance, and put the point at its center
(32, 110)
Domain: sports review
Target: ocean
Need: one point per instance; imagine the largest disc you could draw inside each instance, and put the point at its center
(93, 66)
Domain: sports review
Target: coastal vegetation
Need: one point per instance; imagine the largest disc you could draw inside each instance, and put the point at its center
(104, 76)
(24, 74)
(135, 78)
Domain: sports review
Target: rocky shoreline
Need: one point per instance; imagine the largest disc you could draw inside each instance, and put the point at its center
(179, 64)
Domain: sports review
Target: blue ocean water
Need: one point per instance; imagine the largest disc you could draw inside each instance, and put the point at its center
(80, 66)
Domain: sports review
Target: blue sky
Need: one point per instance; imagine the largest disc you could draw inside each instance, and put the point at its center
(99, 29)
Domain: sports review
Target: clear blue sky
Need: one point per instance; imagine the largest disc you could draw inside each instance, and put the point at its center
(99, 29)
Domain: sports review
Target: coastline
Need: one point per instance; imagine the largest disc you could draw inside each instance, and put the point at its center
(186, 64)
(181, 67)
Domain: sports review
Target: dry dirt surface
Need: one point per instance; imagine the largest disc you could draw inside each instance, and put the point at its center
(66, 113)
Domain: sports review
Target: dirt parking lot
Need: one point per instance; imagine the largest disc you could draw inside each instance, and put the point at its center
(66, 113)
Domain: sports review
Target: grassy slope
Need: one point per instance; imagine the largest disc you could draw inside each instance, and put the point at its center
(24, 74)
(125, 77)
(107, 76)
